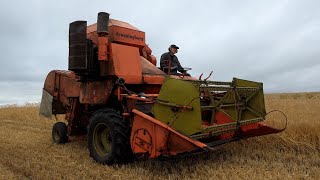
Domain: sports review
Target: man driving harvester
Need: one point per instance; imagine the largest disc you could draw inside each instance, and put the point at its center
(169, 62)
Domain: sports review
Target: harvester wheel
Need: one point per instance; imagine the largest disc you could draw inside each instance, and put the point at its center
(108, 138)
(59, 133)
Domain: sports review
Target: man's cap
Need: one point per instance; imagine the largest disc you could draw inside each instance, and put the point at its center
(174, 46)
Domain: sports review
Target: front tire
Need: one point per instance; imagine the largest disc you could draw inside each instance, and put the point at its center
(59, 133)
(108, 138)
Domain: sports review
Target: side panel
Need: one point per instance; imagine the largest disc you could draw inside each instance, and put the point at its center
(171, 106)
(126, 61)
(151, 138)
(255, 99)
(59, 86)
(62, 84)
(96, 92)
(128, 36)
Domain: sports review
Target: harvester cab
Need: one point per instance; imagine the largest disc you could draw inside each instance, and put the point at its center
(114, 94)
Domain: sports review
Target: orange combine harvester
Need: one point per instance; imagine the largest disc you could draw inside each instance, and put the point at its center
(128, 108)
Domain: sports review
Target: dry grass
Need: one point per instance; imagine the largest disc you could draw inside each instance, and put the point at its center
(27, 152)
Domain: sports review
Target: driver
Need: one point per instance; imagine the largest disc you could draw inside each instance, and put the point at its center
(170, 57)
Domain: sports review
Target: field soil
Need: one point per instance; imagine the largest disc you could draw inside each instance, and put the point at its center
(27, 151)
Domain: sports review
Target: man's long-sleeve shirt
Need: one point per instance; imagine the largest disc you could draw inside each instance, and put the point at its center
(174, 63)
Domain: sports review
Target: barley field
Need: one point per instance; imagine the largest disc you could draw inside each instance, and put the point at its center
(27, 151)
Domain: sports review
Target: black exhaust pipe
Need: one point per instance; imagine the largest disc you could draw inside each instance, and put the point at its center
(102, 23)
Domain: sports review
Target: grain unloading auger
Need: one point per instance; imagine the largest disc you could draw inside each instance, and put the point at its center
(127, 107)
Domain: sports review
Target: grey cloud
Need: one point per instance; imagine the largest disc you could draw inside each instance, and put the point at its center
(275, 42)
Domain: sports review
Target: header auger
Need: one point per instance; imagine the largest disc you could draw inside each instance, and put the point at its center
(127, 107)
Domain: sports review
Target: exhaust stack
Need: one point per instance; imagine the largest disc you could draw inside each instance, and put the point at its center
(102, 31)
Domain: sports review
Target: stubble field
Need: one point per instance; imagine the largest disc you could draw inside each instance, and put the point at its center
(27, 151)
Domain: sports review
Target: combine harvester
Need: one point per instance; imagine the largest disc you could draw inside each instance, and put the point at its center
(129, 108)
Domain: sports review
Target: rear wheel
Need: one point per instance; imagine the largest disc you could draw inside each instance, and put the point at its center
(108, 138)
(59, 133)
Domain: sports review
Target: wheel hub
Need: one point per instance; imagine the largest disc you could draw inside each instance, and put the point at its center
(102, 139)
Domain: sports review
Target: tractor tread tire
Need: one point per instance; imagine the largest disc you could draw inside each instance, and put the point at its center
(121, 152)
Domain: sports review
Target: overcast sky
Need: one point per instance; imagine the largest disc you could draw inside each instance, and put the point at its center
(275, 42)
